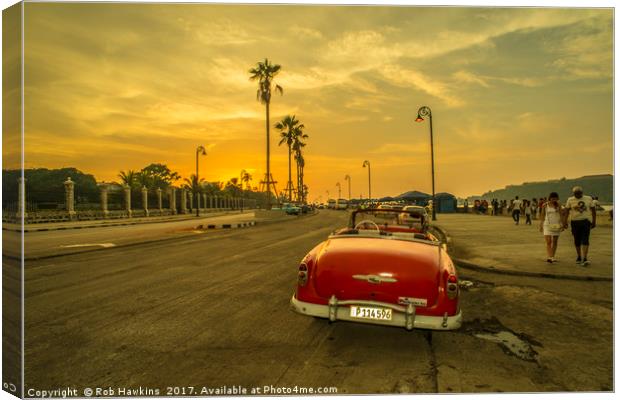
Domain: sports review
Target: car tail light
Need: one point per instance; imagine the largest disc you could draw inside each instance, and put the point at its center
(302, 275)
(452, 287)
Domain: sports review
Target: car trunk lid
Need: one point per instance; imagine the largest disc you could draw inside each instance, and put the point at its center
(378, 269)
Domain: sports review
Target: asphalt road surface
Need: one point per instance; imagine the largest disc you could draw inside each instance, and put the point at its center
(72, 240)
(213, 309)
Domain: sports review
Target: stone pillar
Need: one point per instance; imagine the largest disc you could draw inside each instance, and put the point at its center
(103, 187)
(145, 200)
(21, 198)
(173, 200)
(204, 201)
(191, 200)
(127, 191)
(217, 206)
(183, 201)
(159, 200)
(69, 197)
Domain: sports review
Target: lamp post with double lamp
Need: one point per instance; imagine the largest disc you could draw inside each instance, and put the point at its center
(367, 164)
(200, 151)
(425, 111)
(348, 178)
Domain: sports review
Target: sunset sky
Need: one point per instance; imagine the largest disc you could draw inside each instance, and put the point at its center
(517, 94)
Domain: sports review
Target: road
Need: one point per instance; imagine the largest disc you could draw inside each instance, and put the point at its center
(212, 309)
(55, 242)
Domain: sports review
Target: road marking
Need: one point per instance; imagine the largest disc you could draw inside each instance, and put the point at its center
(88, 245)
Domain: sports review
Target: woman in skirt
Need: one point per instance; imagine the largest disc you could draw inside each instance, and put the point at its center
(551, 224)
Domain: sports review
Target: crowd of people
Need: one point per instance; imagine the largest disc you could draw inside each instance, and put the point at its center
(553, 217)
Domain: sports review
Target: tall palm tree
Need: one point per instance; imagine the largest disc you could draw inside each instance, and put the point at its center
(298, 144)
(264, 72)
(289, 128)
(128, 178)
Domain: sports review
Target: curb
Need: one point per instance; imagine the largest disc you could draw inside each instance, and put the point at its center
(226, 226)
(490, 269)
(110, 224)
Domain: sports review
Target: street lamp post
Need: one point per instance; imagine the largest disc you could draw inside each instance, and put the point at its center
(348, 178)
(425, 111)
(367, 164)
(200, 151)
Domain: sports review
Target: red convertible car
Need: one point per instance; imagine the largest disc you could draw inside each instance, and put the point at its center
(380, 272)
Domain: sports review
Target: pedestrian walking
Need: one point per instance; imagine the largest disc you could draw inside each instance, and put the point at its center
(582, 216)
(551, 224)
(527, 211)
(516, 209)
(534, 207)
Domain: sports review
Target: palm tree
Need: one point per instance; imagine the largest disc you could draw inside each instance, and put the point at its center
(246, 178)
(264, 72)
(143, 179)
(191, 183)
(298, 144)
(289, 128)
(128, 178)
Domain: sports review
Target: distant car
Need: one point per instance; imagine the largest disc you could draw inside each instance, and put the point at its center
(380, 272)
(291, 209)
(305, 208)
(342, 204)
(321, 206)
(331, 204)
(415, 216)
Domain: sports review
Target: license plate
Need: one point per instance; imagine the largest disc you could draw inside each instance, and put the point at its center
(376, 313)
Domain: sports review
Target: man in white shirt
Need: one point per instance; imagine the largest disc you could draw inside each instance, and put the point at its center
(582, 214)
(516, 209)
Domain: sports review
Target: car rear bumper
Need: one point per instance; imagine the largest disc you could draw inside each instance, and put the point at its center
(402, 316)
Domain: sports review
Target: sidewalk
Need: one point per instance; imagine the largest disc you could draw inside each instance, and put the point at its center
(497, 244)
(54, 226)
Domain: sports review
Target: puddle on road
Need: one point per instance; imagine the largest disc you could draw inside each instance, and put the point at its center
(515, 344)
(511, 343)
(465, 284)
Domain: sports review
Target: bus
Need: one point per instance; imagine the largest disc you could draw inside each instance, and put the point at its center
(342, 204)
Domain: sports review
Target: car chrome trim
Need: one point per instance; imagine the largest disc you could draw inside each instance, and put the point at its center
(405, 317)
(376, 279)
(377, 236)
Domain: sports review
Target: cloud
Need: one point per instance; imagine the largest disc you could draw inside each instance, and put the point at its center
(400, 76)
(306, 33)
(467, 77)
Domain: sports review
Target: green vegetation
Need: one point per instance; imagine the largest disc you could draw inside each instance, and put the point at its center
(47, 186)
(593, 185)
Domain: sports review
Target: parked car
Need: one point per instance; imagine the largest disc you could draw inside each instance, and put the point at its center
(331, 204)
(380, 272)
(415, 216)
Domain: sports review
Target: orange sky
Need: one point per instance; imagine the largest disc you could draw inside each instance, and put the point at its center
(517, 94)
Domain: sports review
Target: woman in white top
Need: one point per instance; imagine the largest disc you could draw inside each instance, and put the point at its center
(551, 224)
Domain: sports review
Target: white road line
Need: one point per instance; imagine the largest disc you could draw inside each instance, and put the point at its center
(89, 245)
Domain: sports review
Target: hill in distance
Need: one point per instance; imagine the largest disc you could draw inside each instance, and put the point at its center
(593, 185)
